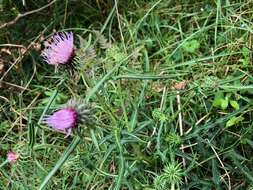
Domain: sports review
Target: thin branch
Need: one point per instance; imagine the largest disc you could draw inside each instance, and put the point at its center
(222, 165)
(19, 117)
(12, 45)
(26, 14)
(21, 56)
(14, 85)
(181, 131)
(120, 28)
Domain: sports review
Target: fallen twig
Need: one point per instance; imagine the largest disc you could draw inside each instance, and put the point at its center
(181, 131)
(26, 14)
(22, 55)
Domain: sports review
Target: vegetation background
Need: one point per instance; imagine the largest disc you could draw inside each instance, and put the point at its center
(170, 83)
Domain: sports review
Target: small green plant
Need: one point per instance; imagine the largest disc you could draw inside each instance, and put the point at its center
(234, 120)
(159, 115)
(223, 102)
(246, 56)
(170, 178)
(191, 46)
(173, 139)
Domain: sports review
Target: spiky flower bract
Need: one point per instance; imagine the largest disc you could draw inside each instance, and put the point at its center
(83, 110)
(59, 49)
(74, 112)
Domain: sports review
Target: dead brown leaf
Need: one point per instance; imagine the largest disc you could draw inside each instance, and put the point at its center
(180, 85)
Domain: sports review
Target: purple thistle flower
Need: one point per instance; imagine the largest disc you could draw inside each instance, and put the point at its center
(12, 157)
(63, 120)
(59, 49)
(67, 118)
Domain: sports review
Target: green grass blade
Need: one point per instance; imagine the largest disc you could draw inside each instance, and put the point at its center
(60, 162)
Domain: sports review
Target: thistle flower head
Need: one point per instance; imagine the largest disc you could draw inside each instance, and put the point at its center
(69, 116)
(12, 157)
(59, 49)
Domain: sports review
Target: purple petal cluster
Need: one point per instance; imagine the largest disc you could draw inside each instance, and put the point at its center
(12, 157)
(63, 120)
(59, 49)
(67, 118)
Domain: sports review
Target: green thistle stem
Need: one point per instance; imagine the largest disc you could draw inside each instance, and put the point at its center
(172, 186)
(4, 163)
